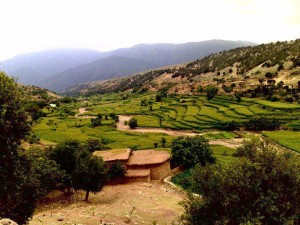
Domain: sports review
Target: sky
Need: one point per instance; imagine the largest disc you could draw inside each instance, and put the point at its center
(34, 25)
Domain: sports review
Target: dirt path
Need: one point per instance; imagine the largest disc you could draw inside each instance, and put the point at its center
(123, 127)
(231, 143)
(133, 203)
(82, 111)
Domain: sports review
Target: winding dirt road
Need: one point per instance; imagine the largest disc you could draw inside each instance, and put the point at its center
(231, 143)
(81, 112)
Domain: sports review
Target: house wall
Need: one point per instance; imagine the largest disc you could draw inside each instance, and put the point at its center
(157, 171)
(145, 179)
(160, 171)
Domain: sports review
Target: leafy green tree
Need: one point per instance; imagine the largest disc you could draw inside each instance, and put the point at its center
(89, 175)
(86, 171)
(158, 97)
(263, 123)
(46, 171)
(132, 123)
(211, 91)
(65, 155)
(94, 144)
(116, 171)
(96, 122)
(18, 189)
(262, 188)
(189, 151)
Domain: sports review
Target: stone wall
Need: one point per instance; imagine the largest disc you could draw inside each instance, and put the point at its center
(158, 171)
(145, 179)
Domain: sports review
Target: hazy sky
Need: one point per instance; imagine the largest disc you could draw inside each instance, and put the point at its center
(33, 25)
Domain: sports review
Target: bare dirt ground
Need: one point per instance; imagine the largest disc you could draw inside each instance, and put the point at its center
(231, 143)
(82, 111)
(133, 203)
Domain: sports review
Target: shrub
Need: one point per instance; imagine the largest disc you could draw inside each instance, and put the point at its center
(211, 92)
(116, 171)
(132, 123)
(189, 151)
(262, 188)
(263, 123)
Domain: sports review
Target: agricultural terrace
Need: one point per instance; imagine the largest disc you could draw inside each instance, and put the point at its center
(193, 113)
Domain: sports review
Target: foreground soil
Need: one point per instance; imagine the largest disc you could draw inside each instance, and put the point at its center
(133, 203)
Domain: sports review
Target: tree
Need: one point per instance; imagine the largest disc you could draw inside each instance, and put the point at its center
(94, 144)
(46, 171)
(116, 171)
(96, 121)
(18, 189)
(158, 97)
(263, 123)
(65, 155)
(86, 171)
(89, 175)
(261, 188)
(132, 123)
(163, 142)
(211, 92)
(189, 151)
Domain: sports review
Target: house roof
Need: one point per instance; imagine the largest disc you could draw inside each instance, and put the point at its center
(114, 155)
(147, 157)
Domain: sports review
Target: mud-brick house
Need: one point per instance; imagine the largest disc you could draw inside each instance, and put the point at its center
(142, 165)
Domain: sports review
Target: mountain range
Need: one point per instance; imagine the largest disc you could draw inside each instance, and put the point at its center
(59, 69)
(252, 70)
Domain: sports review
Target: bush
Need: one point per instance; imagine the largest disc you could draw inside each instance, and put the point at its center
(211, 92)
(116, 171)
(263, 123)
(189, 151)
(132, 123)
(262, 188)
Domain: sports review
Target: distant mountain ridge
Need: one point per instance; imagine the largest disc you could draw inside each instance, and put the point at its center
(44, 68)
(244, 69)
(102, 69)
(31, 67)
(170, 54)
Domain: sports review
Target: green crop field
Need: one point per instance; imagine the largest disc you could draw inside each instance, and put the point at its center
(194, 113)
(288, 139)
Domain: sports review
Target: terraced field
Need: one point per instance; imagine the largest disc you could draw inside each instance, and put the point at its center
(192, 113)
(196, 113)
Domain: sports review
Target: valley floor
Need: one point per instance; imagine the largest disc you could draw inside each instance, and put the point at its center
(133, 203)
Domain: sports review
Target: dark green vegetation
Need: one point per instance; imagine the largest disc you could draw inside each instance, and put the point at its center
(23, 179)
(190, 151)
(132, 123)
(26, 176)
(262, 188)
(85, 172)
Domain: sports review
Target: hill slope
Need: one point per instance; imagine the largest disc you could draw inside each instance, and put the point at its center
(111, 67)
(239, 69)
(171, 54)
(31, 67)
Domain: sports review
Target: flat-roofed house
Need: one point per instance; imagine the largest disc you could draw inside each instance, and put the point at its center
(142, 165)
